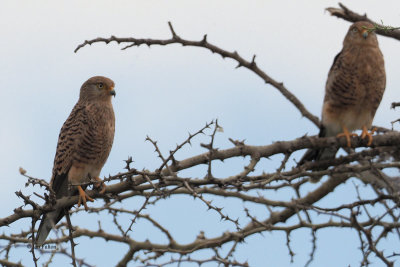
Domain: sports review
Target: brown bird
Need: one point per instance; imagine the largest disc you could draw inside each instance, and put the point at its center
(83, 147)
(354, 89)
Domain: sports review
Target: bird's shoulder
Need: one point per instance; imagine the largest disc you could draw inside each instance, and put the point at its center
(337, 61)
(339, 71)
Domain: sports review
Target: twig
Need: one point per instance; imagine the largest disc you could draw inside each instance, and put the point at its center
(176, 39)
(346, 14)
(71, 239)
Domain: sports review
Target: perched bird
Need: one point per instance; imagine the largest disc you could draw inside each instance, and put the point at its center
(354, 89)
(83, 147)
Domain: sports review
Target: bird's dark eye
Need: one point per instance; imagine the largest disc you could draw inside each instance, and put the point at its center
(355, 30)
(100, 85)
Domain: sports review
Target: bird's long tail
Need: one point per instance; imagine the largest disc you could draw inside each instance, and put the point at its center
(49, 220)
(319, 154)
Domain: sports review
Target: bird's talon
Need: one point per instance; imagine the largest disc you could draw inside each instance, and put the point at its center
(346, 134)
(103, 190)
(365, 133)
(83, 197)
(100, 186)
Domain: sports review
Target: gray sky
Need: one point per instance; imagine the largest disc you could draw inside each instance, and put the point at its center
(164, 92)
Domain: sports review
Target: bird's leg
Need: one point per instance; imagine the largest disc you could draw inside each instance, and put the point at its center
(365, 133)
(346, 134)
(99, 185)
(83, 197)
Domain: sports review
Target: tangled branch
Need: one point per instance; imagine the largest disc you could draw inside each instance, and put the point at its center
(373, 216)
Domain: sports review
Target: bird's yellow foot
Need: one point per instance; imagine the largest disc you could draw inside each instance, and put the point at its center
(365, 133)
(83, 197)
(99, 185)
(346, 134)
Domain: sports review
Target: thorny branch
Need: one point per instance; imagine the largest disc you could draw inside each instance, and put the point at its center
(176, 39)
(346, 14)
(374, 217)
(144, 183)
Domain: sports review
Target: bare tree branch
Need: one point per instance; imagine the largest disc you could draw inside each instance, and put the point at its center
(297, 205)
(344, 13)
(176, 39)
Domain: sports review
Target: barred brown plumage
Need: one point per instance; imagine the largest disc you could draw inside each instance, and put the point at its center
(83, 147)
(354, 89)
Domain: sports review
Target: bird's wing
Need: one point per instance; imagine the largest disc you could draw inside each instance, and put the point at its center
(68, 142)
(376, 85)
(332, 94)
(340, 86)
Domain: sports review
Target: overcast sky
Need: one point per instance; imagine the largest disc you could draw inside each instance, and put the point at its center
(164, 92)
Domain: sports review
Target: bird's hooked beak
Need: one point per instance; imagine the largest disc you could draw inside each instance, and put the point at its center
(112, 92)
(364, 33)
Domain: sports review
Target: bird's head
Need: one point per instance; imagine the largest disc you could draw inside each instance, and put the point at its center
(361, 33)
(97, 88)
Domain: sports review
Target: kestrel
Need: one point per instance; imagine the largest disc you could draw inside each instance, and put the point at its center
(354, 89)
(83, 147)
